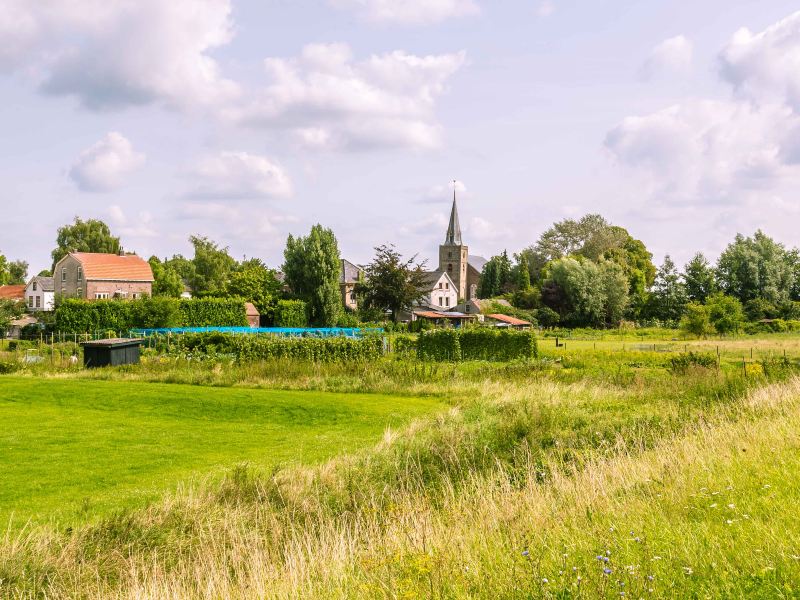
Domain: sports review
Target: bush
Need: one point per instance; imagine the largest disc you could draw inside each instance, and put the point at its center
(404, 345)
(266, 347)
(725, 313)
(291, 313)
(476, 344)
(683, 362)
(81, 316)
(697, 320)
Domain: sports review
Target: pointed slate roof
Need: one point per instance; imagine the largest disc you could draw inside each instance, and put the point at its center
(454, 228)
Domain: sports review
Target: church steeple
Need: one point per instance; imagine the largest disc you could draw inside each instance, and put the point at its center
(453, 237)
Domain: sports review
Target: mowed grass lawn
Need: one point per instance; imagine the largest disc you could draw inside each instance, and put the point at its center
(71, 449)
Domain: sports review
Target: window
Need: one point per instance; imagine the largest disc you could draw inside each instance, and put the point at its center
(38, 302)
(447, 286)
(63, 274)
(447, 301)
(30, 301)
(135, 295)
(449, 255)
(79, 293)
(101, 296)
(450, 268)
(80, 273)
(34, 286)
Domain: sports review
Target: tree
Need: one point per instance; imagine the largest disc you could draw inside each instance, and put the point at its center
(698, 277)
(496, 276)
(725, 313)
(756, 267)
(14, 272)
(167, 281)
(10, 310)
(523, 274)
(668, 298)
(311, 266)
(391, 283)
(254, 282)
(696, 320)
(211, 267)
(84, 236)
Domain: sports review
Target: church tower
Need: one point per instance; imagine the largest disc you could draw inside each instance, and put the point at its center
(454, 255)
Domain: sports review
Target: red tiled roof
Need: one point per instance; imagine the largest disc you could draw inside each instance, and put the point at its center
(508, 319)
(251, 310)
(12, 292)
(113, 267)
(432, 314)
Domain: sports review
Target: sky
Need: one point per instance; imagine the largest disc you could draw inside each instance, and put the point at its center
(249, 120)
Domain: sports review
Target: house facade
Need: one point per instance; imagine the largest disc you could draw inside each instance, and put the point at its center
(349, 276)
(441, 292)
(40, 294)
(94, 276)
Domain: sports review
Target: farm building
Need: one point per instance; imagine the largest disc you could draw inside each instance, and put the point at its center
(455, 319)
(40, 294)
(508, 321)
(95, 276)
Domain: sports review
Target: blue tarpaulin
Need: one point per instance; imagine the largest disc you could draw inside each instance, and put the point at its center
(279, 331)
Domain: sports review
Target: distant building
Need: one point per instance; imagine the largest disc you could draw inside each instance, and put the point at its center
(349, 275)
(40, 294)
(507, 321)
(440, 291)
(253, 316)
(455, 260)
(94, 276)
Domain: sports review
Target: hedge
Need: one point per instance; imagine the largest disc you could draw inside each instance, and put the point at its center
(476, 344)
(267, 346)
(81, 316)
(291, 313)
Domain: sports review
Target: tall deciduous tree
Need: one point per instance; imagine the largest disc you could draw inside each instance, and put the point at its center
(311, 266)
(668, 298)
(391, 283)
(254, 282)
(756, 267)
(14, 272)
(211, 267)
(698, 277)
(84, 236)
(167, 281)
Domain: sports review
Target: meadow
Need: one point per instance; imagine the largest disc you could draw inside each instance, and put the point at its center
(604, 468)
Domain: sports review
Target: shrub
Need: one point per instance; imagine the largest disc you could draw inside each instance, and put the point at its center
(404, 345)
(291, 313)
(211, 312)
(725, 313)
(266, 347)
(683, 362)
(476, 344)
(697, 320)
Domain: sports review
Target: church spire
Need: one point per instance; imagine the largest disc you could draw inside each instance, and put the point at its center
(454, 228)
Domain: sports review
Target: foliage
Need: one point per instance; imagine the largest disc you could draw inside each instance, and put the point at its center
(10, 310)
(14, 272)
(585, 293)
(481, 343)
(756, 267)
(496, 276)
(254, 282)
(681, 363)
(696, 320)
(523, 274)
(84, 236)
(699, 279)
(211, 268)
(725, 313)
(668, 298)
(391, 283)
(291, 313)
(547, 317)
(312, 266)
(81, 316)
(269, 347)
(167, 281)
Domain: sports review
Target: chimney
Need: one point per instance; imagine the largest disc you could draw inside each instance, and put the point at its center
(121, 251)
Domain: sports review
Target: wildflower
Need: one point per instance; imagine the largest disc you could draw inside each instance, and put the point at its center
(637, 540)
(688, 570)
(713, 505)
(525, 553)
(605, 559)
(600, 557)
(544, 580)
(574, 568)
(607, 571)
(650, 578)
(728, 521)
(608, 552)
(731, 506)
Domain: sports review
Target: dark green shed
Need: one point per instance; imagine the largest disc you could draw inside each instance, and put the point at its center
(111, 352)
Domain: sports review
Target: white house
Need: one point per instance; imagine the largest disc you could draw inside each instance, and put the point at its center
(40, 294)
(443, 294)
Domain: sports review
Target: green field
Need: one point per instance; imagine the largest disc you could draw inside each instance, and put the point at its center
(73, 449)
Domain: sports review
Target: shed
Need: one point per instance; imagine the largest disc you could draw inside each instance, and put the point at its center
(253, 316)
(509, 321)
(111, 352)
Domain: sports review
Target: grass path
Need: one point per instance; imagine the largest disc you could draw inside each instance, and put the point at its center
(72, 449)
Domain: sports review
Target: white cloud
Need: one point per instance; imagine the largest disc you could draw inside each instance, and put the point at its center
(141, 227)
(116, 53)
(237, 176)
(545, 8)
(483, 230)
(443, 193)
(673, 55)
(765, 66)
(409, 12)
(105, 166)
(326, 99)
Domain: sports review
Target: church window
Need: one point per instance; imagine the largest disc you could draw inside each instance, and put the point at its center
(450, 268)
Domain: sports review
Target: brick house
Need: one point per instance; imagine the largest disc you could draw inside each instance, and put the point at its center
(94, 276)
